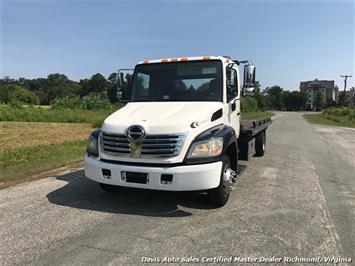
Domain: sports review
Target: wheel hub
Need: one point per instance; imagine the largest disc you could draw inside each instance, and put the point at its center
(229, 179)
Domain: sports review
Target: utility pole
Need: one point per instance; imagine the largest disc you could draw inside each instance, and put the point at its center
(345, 79)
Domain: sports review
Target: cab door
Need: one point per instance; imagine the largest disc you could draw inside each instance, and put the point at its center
(233, 98)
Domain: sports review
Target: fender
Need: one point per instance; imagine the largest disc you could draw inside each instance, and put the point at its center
(96, 133)
(222, 130)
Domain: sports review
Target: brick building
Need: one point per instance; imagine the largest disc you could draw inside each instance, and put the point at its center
(326, 87)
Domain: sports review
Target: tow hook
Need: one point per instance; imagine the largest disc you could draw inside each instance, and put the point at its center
(229, 179)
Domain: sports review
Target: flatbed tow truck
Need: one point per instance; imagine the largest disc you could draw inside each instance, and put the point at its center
(181, 129)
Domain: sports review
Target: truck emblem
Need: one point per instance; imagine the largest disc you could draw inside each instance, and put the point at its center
(194, 124)
(136, 149)
(135, 133)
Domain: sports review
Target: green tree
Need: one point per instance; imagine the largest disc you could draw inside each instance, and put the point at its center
(58, 85)
(84, 87)
(97, 84)
(294, 100)
(55, 85)
(248, 104)
(259, 97)
(5, 91)
(23, 96)
(319, 101)
(274, 95)
(302, 100)
(112, 84)
(342, 99)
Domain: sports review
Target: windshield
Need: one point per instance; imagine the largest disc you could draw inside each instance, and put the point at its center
(183, 81)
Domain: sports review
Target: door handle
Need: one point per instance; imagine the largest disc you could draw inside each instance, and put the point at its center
(233, 106)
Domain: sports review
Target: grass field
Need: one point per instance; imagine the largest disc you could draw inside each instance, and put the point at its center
(255, 115)
(30, 134)
(39, 114)
(28, 149)
(343, 117)
(328, 120)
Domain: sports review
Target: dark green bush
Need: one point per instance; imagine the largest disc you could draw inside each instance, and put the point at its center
(17, 95)
(340, 111)
(73, 102)
(248, 104)
(89, 102)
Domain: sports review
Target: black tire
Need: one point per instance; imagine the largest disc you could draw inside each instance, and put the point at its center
(219, 196)
(260, 143)
(108, 188)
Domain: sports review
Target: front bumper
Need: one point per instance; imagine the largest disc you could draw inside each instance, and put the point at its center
(185, 178)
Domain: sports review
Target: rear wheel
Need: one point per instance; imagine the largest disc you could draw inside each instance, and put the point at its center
(108, 188)
(220, 195)
(260, 143)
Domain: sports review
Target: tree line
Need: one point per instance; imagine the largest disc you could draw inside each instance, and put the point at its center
(44, 91)
(55, 87)
(277, 98)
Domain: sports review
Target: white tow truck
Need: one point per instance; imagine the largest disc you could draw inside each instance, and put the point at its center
(181, 129)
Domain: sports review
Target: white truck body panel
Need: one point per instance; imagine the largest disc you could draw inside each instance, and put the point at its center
(186, 178)
(162, 118)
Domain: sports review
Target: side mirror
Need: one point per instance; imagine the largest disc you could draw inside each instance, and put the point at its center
(249, 75)
(249, 80)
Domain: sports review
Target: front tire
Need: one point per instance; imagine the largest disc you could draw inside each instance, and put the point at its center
(219, 195)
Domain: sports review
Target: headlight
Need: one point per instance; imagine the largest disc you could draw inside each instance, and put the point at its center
(92, 146)
(208, 148)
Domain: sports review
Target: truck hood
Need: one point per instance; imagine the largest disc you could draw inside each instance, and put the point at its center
(162, 117)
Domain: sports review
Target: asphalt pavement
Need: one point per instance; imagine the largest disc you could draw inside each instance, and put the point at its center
(296, 201)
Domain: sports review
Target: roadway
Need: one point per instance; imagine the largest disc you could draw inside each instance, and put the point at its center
(297, 200)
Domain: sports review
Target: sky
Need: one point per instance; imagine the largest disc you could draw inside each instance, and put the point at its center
(289, 41)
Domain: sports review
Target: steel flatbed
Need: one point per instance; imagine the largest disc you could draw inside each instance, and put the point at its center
(250, 131)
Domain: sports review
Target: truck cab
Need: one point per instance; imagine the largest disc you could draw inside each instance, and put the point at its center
(178, 132)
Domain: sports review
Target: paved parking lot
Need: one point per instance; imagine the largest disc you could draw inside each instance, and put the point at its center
(297, 200)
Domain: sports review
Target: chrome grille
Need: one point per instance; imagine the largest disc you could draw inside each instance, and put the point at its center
(162, 145)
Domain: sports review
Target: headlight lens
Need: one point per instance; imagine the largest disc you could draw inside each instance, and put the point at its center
(92, 146)
(209, 148)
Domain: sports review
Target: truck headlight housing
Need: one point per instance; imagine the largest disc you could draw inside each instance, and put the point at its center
(92, 147)
(208, 148)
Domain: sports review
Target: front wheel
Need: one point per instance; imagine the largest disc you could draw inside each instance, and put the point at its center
(220, 195)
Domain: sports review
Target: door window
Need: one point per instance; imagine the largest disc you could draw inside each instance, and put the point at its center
(232, 84)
